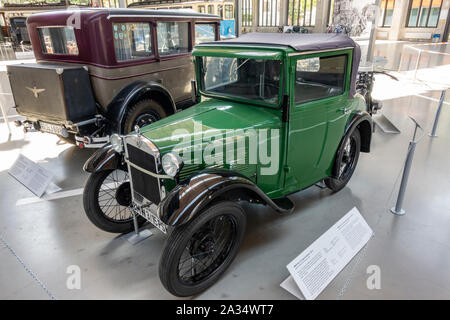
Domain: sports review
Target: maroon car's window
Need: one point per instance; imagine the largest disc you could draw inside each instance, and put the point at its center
(204, 32)
(58, 40)
(132, 40)
(173, 38)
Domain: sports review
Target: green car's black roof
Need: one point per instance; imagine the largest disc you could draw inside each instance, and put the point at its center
(297, 41)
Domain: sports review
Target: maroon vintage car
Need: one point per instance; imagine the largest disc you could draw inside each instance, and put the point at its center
(104, 71)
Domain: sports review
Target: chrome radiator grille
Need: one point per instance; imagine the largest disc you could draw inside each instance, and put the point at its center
(143, 185)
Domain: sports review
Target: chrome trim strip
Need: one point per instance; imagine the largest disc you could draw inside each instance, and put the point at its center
(212, 17)
(159, 176)
(317, 51)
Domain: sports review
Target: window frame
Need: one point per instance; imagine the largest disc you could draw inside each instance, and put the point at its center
(153, 23)
(383, 23)
(152, 41)
(301, 21)
(266, 20)
(41, 43)
(199, 63)
(247, 13)
(347, 70)
(225, 11)
(191, 36)
(208, 23)
(418, 15)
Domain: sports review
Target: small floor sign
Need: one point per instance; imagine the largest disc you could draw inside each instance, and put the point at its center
(31, 175)
(321, 262)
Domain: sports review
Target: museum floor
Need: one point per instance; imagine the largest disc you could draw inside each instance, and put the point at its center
(40, 239)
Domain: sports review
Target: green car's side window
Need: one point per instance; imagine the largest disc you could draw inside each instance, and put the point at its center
(319, 77)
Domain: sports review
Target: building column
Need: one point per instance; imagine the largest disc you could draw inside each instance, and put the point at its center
(398, 19)
(254, 15)
(284, 7)
(322, 8)
(238, 17)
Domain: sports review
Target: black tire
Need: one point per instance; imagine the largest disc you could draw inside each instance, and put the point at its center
(143, 113)
(97, 214)
(188, 235)
(345, 162)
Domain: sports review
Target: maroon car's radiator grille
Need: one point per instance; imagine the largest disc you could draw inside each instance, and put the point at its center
(143, 184)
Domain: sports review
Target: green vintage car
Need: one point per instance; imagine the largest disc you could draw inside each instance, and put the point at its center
(276, 113)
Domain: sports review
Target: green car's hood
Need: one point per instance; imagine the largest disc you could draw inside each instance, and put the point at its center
(212, 117)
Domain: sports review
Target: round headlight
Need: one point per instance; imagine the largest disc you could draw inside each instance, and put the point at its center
(172, 163)
(117, 143)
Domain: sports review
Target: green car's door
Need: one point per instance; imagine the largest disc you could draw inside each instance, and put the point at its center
(318, 89)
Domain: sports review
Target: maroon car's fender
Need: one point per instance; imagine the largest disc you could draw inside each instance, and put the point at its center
(132, 93)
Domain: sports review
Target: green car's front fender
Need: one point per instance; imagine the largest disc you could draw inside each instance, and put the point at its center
(190, 197)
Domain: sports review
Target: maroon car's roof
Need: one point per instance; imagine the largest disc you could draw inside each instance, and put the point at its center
(123, 12)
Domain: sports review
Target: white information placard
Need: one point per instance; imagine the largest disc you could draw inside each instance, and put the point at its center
(321, 262)
(31, 175)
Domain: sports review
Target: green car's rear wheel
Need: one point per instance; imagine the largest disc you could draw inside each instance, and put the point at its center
(199, 252)
(345, 162)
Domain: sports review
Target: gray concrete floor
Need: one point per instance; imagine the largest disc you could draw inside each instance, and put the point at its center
(40, 240)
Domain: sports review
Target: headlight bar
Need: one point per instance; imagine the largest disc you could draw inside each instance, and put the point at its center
(156, 175)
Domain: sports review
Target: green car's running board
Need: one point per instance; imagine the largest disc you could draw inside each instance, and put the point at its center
(285, 204)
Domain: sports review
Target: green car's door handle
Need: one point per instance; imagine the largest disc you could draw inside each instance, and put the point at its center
(345, 110)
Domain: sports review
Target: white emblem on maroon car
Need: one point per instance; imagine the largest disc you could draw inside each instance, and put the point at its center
(35, 91)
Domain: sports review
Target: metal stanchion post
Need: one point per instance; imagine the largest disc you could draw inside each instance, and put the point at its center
(417, 64)
(135, 223)
(438, 113)
(398, 209)
(137, 235)
(5, 117)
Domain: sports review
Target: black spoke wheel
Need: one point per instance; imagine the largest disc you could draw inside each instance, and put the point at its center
(345, 161)
(143, 113)
(107, 200)
(198, 253)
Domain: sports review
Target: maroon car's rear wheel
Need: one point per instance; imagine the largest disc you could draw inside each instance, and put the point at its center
(143, 113)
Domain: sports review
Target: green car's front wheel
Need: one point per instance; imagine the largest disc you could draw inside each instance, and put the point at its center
(107, 199)
(345, 162)
(198, 253)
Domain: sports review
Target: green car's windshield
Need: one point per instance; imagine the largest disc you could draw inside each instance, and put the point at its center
(257, 80)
